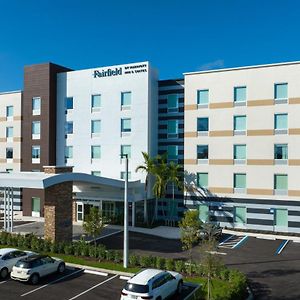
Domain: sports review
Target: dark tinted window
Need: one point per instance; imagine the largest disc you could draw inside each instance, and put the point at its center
(19, 253)
(158, 281)
(137, 288)
(23, 264)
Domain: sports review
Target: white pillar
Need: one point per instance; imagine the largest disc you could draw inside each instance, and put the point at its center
(12, 210)
(5, 210)
(125, 246)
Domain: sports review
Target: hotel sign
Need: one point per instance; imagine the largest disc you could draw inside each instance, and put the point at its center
(126, 70)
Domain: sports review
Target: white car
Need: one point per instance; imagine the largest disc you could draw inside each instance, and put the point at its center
(152, 284)
(36, 266)
(8, 258)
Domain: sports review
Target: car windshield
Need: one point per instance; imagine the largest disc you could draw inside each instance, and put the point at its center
(23, 264)
(137, 288)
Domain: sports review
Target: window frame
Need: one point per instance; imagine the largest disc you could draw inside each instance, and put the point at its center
(198, 98)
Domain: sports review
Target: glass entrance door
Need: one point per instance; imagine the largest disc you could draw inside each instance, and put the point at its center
(35, 207)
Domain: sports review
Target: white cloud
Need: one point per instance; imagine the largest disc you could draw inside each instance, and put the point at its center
(219, 63)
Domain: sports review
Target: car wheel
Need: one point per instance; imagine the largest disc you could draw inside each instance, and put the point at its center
(61, 268)
(34, 279)
(3, 273)
(179, 287)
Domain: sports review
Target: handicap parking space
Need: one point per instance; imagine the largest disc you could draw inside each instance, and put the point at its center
(72, 284)
(232, 241)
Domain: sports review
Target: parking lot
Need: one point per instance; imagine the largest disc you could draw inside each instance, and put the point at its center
(273, 266)
(73, 284)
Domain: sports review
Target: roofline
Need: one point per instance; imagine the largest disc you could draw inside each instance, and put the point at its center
(11, 92)
(244, 68)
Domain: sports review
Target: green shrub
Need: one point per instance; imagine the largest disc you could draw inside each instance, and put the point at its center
(146, 261)
(47, 246)
(34, 243)
(110, 255)
(118, 257)
(69, 249)
(169, 264)
(84, 249)
(134, 260)
(101, 253)
(159, 262)
(3, 238)
(179, 266)
(93, 251)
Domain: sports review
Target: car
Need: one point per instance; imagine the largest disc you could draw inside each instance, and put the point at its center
(8, 258)
(152, 284)
(32, 268)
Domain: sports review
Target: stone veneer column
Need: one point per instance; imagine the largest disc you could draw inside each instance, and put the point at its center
(58, 207)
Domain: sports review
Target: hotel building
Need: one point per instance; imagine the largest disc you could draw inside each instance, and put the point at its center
(236, 133)
(241, 145)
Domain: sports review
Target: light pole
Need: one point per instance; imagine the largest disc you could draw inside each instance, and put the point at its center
(125, 244)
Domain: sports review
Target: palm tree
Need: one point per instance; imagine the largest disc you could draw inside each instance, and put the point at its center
(148, 167)
(161, 179)
(174, 177)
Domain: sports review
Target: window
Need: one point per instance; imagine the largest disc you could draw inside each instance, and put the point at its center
(36, 129)
(239, 123)
(172, 128)
(281, 217)
(172, 102)
(240, 214)
(36, 204)
(69, 127)
(240, 94)
(172, 152)
(202, 97)
(96, 126)
(126, 125)
(123, 175)
(9, 153)
(239, 152)
(204, 212)
(281, 91)
(96, 173)
(281, 151)
(202, 180)
(202, 152)
(69, 103)
(239, 181)
(96, 152)
(36, 152)
(280, 122)
(9, 111)
(126, 149)
(202, 125)
(9, 132)
(96, 102)
(68, 152)
(280, 182)
(126, 99)
(36, 105)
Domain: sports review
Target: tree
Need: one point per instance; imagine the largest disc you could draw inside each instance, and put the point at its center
(160, 173)
(209, 261)
(94, 223)
(190, 226)
(147, 167)
(174, 177)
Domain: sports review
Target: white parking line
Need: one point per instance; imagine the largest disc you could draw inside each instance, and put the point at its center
(54, 281)
(93, 287)
(125, 277)
(3, 281)
(95, 272)
(226, 240)
(104, 236)
(192, 292)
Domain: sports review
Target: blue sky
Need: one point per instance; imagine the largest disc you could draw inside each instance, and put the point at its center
(175, 36)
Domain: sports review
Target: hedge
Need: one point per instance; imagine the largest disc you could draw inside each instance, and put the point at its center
(229, 283)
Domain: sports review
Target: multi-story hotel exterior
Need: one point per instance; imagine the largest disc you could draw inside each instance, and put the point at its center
(10, 136)
(242, 141)
(236, 132)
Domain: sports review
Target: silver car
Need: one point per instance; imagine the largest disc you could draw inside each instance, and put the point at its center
(8, 258)
(32, 268)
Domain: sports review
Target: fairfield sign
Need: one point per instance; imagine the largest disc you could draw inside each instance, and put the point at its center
(130, 69)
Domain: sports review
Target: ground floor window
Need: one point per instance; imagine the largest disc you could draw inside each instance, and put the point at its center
(240, 215)
(281, 217)
(36, 206)
(203, 212)
(79, 212)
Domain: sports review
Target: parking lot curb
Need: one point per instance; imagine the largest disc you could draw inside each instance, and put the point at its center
(121, 273)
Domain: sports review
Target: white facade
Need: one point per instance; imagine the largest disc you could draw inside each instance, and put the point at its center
(260, 105)
(141, 131)
(10, 131)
